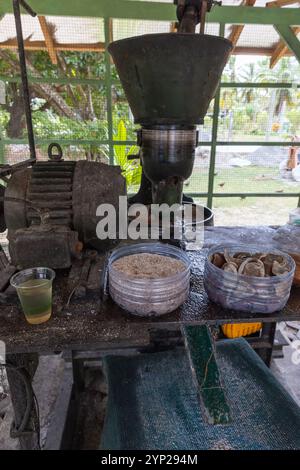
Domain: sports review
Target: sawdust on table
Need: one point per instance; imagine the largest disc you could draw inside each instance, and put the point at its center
(148, 266)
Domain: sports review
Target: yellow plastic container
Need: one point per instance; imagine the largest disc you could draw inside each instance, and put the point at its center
(236, 330)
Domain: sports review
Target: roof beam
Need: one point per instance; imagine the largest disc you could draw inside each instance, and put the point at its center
(100, 47)
(42, 46)
(157, 11)
(238, 29)
(49, 41)
(281, 50)
(290, 39)
(264, 51)
(281, 3)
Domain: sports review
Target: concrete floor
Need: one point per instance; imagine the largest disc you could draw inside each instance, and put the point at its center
(288, 373)
(47, 383)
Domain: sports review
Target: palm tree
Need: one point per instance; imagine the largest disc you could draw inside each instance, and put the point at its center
(285, 71)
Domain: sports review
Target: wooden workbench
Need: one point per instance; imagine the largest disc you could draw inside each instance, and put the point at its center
(100, 325)
(90, 323)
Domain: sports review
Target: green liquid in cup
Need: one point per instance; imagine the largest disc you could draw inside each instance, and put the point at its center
(36, 298)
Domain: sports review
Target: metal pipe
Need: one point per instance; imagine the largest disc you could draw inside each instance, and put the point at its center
(189, 21)
(22, 59)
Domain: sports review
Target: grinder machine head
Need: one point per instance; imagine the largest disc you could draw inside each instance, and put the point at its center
(169, 80)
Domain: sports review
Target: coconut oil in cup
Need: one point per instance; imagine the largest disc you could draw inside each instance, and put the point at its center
(34, 289)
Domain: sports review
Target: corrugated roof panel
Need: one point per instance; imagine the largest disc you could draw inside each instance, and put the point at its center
(30, 25)
(71, 30)
(74, 30)
(67, 30)
(123, 29)
(258, 36)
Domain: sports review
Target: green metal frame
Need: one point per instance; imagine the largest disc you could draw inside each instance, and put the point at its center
(108, 86)
(213, 144)
(207, 377)
(288, 36)
(281, 19)
(213, 150)
(157, 11)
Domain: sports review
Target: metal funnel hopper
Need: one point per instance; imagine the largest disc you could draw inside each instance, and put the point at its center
(170, 79)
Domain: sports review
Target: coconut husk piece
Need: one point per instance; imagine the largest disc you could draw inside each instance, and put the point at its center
(218, 259)
(279, 269)
(234, 258)
(258, 264)
(230, 267)
(252, 267)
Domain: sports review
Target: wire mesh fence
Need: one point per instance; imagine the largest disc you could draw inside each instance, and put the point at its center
(80, 103)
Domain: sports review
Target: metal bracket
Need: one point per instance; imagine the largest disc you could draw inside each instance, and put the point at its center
(55, 157)
(192, 12)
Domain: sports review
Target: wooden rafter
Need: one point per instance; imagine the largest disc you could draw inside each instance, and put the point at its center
(100, 47)
(281, 3)
(264, 51)
(238, 29)
(281, 49)
(49, 41)
(173, 27)
(42, 46)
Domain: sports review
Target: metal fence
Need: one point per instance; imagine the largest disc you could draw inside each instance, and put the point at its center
(208, 187)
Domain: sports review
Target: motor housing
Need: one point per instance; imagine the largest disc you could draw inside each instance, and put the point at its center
(50, 210)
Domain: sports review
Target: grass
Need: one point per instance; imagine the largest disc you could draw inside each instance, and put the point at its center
(233, 211)
(253, 211)
(253, 179)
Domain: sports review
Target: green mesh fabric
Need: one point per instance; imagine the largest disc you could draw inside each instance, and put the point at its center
(153, 404)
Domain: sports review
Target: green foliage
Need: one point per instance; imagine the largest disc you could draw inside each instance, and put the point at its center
(131, 169)
(48, 124)
(256, 110)
(294, 117)
(4, 118)
(244, 112)
(262, 119)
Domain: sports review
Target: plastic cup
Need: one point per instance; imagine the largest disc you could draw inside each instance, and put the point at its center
(34, 288)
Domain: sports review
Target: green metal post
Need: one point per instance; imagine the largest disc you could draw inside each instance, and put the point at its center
(94, 82)
(2, 147)
(214, 137)
(157, 11)
(108, 91)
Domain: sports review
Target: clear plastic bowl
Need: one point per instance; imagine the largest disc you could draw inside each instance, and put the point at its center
(147, 297)
(247, 293)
